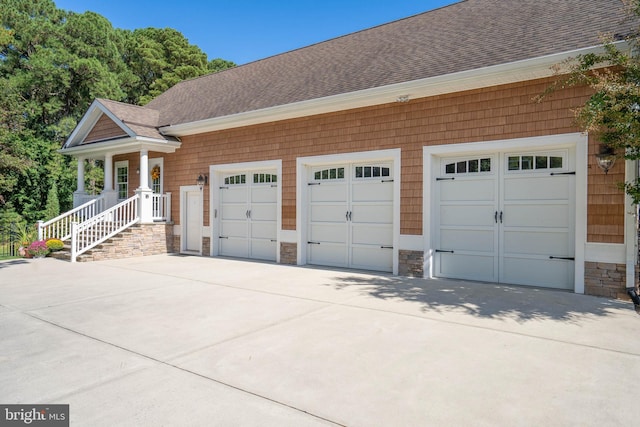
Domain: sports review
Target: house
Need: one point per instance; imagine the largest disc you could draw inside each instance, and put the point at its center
(414, 148)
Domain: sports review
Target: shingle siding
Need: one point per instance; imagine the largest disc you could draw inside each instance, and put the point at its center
(502, 112)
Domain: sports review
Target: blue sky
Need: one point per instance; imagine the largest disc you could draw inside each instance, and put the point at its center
(247, 30)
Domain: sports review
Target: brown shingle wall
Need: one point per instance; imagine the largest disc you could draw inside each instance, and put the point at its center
(502, 112)
(105, 128)
(605, 219)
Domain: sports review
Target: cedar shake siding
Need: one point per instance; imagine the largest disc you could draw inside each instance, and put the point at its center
(496, 113)
(103, 130)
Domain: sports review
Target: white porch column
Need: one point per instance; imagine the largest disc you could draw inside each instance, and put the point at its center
(110, 196)
(144, 170)
(78, 195)
(145, 195)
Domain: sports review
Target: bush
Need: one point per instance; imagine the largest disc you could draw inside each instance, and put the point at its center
(38, 248)
(54, 244)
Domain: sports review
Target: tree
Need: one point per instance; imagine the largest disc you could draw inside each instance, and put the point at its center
(612, 112)
(53, 63)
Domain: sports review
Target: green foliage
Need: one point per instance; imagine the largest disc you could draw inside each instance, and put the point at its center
(52, 208)
(612, 113)
(53, 63)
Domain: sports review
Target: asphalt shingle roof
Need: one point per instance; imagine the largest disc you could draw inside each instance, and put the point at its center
(470, 34)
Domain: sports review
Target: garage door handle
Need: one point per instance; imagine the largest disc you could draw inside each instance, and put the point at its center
(386, 247)
(562, 173)
(223, 237)
(441, 251)
(445, 179)
(563, 257)
(500, 217)
(313, 243)
(495, 216)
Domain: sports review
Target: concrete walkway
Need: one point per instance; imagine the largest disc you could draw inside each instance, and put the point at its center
(190, 341)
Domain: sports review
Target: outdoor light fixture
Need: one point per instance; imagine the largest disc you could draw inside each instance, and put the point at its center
(606, 159)
(402, 98)
(138, 171)
(202, 180)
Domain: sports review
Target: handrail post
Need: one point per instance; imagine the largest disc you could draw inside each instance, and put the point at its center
(40, 230)
(74, 241)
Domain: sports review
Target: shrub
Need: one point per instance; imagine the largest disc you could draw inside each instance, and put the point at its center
(54, 244)
(38, 248)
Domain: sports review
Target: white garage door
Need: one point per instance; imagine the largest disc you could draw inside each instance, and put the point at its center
(507, 217)
(248, 215)
(351, 216)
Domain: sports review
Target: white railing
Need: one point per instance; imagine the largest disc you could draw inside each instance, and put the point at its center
(162, 207)
(60, 226)
(96, 230)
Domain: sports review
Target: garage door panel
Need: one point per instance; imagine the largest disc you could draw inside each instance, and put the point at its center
(465, 189)
(266, 230)
(376, 191)
(540, 272)
(326, 212)
(380, 235)
(371, 258)
(234, 228)
(538, 242)
(263, 249)
(537, 215)
(467, 215)
(375, 214)
(328, 254)
(469, 267)
(264, 212)
(328, 193)
(537, 188)
(234, 194)
(336, 233)
(263, 194)
(234, 247)
(234, 211)
(467, 240)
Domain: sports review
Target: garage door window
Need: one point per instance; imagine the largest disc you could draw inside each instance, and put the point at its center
(328, 174)
(371, 171)
(468, 166)
(264, 178)
(528, 162)
(235, 179)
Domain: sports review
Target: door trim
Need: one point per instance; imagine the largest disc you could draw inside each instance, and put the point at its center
(302, 176)
(431, 169)
(215, 171)
(183, 218)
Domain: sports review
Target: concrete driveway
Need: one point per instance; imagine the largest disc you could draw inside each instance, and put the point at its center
(190, 341)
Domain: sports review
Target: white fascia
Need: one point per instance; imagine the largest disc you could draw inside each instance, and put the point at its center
(512, 72)
(121, 146)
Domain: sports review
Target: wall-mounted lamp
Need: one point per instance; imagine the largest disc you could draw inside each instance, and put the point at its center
(138, 171)
(202, 180)
(402, 98)
(606, 158)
